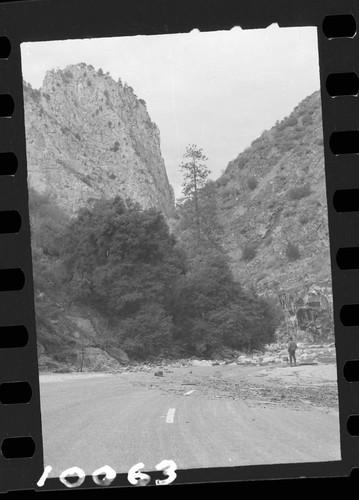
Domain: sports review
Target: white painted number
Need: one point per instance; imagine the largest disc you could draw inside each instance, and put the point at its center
(109, 473)
(44, 476)
(168, 467)
(73, 471)
(136, 477)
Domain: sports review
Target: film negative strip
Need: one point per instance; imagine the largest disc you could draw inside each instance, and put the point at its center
(165, 435)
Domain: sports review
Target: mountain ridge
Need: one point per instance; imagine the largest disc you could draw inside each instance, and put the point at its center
(272, 204)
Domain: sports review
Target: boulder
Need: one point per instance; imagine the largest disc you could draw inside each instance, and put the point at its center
(159, 373)
(96, 359)
(84, 325)
(326, 358)
(306, 358)
(119, 354)
(203, 362)
(267, 359)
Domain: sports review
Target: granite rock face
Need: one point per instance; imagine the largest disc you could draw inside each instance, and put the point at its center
(89, 137)
(272, 203)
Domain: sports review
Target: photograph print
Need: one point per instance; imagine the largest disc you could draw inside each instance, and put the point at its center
(180, 249)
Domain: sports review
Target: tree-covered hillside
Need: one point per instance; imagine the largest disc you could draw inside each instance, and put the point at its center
(117, 266)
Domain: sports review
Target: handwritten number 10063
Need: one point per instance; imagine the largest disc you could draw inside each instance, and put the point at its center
(105, 475)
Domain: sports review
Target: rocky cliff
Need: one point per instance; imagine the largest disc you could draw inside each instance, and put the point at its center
(88, 136)
(273, 207)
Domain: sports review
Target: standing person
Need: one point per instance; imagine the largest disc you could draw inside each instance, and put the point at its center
(292, 346)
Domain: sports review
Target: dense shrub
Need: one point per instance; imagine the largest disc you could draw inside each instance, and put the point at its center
(249, 251)
(67, 76)
(298, 192)
(303, 218)
(229, 203)
(307, 120)
(241, 161)
(212, 310)
(115, 147)
(106, 94)
(271, 203)
(119, 257)
(252, 182)
(292, 251)
(224, 179)
(47, 223)
(229, 190)
(147, 333)
(291, 121)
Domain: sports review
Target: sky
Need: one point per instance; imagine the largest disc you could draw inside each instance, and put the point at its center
(219, 90)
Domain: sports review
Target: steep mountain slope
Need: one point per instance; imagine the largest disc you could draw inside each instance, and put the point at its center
(272, 204)
(88, 136)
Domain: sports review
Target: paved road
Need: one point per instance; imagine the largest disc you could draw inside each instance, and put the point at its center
(100, 421)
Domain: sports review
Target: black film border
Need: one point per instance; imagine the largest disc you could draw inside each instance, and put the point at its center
(21, 460)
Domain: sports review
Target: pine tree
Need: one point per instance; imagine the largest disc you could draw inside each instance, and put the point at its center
(195, 174)
(199, 226)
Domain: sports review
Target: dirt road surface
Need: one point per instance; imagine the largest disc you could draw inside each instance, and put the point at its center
(215, 416)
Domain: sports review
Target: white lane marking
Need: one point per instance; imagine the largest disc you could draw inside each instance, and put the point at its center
(189, 392)
(170, 416)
